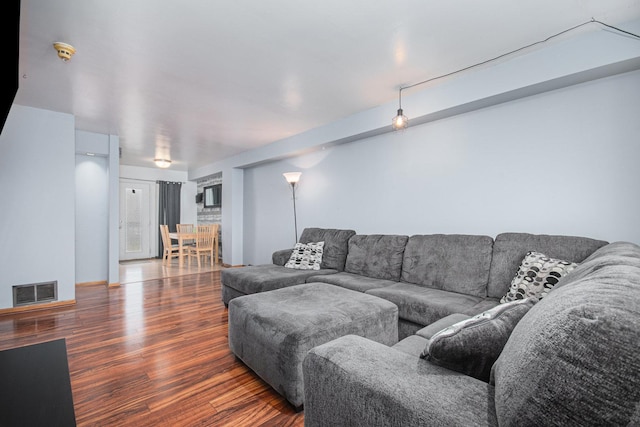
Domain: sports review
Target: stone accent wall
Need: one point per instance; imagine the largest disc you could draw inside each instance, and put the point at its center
(210, 215)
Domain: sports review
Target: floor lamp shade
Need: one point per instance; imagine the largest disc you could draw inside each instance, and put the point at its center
(292, 177)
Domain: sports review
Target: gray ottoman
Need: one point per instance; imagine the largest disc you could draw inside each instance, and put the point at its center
(271, 332)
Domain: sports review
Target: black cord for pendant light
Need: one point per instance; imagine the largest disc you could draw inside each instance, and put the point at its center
(400, 121)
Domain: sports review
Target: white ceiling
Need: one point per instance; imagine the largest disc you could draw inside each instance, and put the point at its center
(201, 80)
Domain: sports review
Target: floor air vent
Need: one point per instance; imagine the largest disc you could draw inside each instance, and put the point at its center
(35, 293)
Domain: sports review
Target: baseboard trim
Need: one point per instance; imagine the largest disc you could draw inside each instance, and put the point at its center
(114, 285)
(97, 282)
(37, 307)
(232, 266)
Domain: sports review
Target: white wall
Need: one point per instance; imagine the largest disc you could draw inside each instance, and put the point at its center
(96, 204)
(37, 188)
(92, 218)
(578, 58)
(561, 162)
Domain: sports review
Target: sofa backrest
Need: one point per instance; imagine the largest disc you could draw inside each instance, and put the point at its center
(573, 358)
(451, 262)
(378, 256)
(336, 245)
(510, 248)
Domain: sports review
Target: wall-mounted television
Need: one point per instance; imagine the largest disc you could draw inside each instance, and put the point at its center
(213, 196)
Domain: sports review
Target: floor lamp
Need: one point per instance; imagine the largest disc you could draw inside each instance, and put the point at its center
(293, 178)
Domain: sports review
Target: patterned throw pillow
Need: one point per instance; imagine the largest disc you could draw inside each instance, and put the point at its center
(537, 275)
(306, 256)
(472, 346)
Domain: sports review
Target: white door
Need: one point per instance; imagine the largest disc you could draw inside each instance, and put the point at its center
(135, 220)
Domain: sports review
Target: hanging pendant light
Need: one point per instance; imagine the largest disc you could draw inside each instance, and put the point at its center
(400, 121)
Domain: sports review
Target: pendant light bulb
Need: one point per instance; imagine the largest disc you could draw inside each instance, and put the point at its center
(400, 121)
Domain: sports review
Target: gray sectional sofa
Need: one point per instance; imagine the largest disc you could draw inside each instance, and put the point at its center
(572, 358)
(427, 276)
(260, 278)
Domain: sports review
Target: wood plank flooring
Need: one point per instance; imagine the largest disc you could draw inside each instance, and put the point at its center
(153, 353)
(153, 268)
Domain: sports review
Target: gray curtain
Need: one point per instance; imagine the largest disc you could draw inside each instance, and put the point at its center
(169, 208)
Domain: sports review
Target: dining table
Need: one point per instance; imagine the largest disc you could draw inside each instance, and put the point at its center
(183, 238)
(186, 238)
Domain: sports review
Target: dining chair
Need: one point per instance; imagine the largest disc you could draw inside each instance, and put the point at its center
(170, 250)
(206, 228)
(213, 229)
(203, 245)
(186, 228)
(216, 242)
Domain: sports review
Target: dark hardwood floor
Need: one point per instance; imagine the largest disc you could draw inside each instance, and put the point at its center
(153, 353)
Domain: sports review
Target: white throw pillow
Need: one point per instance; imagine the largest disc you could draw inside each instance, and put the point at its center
(536, 276)
(306, 256)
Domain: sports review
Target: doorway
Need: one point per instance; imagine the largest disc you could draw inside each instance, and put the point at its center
(137, 208)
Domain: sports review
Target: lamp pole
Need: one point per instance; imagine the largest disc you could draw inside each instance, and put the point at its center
(293, 178)
(295, 216)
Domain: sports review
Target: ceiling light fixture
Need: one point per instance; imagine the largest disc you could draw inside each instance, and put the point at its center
(162, 163)
(400, 121)
(65, 51)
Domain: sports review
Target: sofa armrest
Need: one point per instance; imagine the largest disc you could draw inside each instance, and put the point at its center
(353, 381)
(281, 257)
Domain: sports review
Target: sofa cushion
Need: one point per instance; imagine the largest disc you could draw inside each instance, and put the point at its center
(336, 244)
(267, 277)
(435, 327)
(536, 276)
(355, 282)
(376, 255)
(352, 381)
(412, 345)
(406, 328)
(483, 305)
(573, 359)
(510, 248)
(424, 305)
(609, 255)
(281, 257)
(457, 263)
(471, 346)
(306, 256)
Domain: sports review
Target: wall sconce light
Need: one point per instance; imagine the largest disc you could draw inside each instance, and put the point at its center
(65, 51)
(293, 178)
(162, 163)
